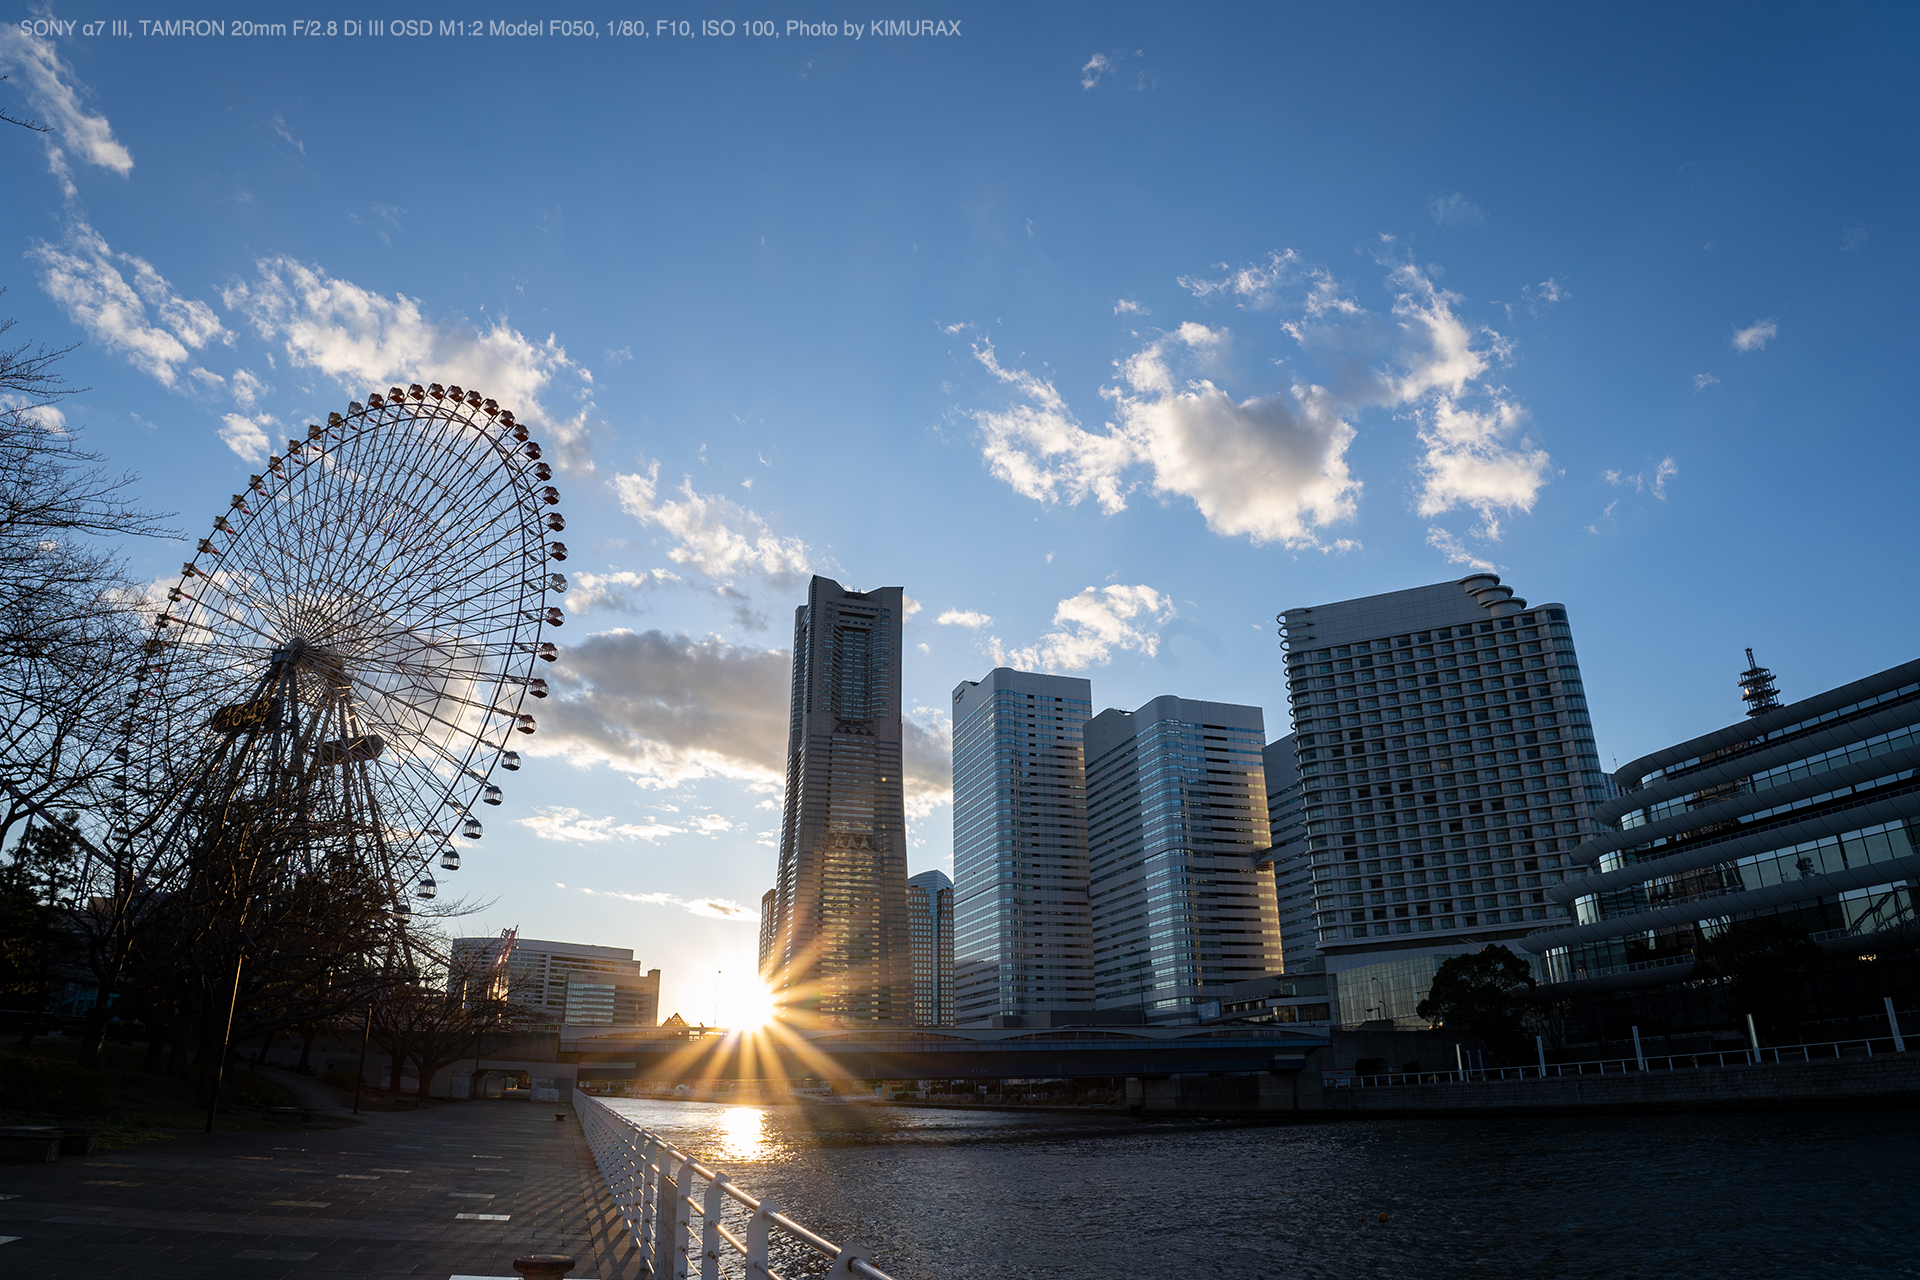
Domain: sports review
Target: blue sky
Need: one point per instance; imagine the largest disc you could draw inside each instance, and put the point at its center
(1105, 331)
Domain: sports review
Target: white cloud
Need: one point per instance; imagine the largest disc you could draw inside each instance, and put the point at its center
(964, 618)
(1269, 469)
(247, 388)
(713, 534)
(711, 824)
(1087, 628)
(909, 607)
(244, 436)
(1663, 472)
(1701, 381)
(84, 276)
(1040, 449)
(712, 908)
(1853, 237)
(1473, 460)
(1098, 65)
(561, 823)
(621, 590)
(1456, 552)
(1255, 285)
(367, 340)
(1127, 306)
(1755, 336)
(1545, 294)
(1455, 211)
(280, 129)
(55, 95)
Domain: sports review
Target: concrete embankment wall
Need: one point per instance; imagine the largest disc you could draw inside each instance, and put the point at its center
(1886, 1080)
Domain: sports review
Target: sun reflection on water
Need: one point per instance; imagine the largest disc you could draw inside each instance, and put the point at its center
(743, 1134)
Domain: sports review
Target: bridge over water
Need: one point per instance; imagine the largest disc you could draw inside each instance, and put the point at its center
(781, 1052)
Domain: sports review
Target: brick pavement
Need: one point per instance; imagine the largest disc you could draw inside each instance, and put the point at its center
(383, 1199)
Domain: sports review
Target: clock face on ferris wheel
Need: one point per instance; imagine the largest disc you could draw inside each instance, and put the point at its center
(355, 644)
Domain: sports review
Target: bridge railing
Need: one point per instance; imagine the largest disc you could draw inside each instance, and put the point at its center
(689, 1220)
(1864, 1048)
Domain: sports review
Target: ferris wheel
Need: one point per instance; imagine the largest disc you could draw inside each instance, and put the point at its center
(352, 649)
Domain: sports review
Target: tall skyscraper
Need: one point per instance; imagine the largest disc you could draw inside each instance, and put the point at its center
(769, 928)
(930, 923)
(1176, 817)
(841, 953)
(1022, 924)
(1287, 859)
(1448, 764)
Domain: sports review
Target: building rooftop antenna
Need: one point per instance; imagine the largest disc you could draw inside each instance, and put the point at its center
(1756, 688)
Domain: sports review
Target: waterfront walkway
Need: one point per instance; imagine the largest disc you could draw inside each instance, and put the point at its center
(455, 1190)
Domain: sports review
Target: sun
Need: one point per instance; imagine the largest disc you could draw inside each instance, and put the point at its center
(747, 1006)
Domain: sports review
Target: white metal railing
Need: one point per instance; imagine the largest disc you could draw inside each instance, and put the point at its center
(679, 1233)
(1621, 1066)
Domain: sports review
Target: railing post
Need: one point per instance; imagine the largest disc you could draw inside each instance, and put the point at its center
(1540, 1047)
(758, 1229)
(649, 1203)
(1639, 1054)
(679, 1216)
(1893, 1020)
(1753, 1038)
(715, 1201)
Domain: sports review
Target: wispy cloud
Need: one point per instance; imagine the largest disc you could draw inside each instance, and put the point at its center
(1455, 210)
(1087, 628)
(143, 319)
(572, 826)
(1456, 552)
(1256, 286)
(712, 534)
(1128, 307)
(1270, 469)
(712, 908)
(281, 130)
(622, 590)
(1756, 335)
(363, 340)
(1854, 236)
(1640, 482)
(56, 96)
(245, 436)
(1701, 381)
(964, 618)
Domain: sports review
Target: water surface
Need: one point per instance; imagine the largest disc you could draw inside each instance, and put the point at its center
(947, 1195)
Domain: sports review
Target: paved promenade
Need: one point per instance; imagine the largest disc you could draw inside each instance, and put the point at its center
(457, 1190)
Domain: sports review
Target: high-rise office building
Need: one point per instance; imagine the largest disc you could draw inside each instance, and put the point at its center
(551, 984)
(1448, 766)
(1176, 818)
(841, 954)
(930, 924)
(769, 927)
(1023, 934)
(1288, 860)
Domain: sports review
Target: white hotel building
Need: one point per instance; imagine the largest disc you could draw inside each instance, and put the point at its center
(1448, 766)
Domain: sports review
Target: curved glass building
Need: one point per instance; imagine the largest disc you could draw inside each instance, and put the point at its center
(1805, 811)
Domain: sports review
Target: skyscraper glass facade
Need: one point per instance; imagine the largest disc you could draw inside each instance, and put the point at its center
(841, 952)
(1176, 818)
(1023, 928)
(930, 923)
(1288, 859)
